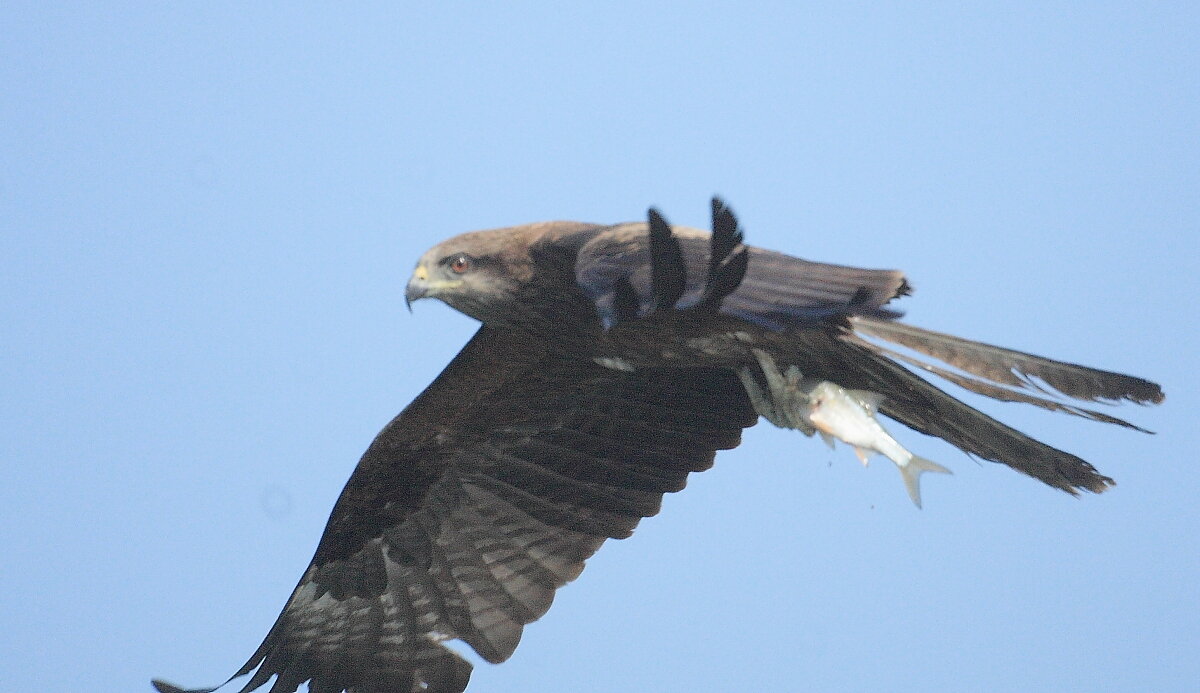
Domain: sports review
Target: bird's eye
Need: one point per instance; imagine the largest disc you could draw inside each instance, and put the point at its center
(459, 264)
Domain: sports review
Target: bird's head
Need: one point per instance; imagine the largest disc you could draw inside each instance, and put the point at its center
(482, 273)
(474, 273)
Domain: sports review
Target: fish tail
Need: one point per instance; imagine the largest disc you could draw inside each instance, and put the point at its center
(911, 472)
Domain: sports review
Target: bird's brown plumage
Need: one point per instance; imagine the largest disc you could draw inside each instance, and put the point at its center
(605, 372)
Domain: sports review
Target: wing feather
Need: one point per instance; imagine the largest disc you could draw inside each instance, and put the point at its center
(668, 277)
(727, 258)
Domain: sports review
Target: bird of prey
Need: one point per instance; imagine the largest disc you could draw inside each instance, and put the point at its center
(612, 361)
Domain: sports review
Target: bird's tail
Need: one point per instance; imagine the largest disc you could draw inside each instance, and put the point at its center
(1006, 374)
(1009, 367)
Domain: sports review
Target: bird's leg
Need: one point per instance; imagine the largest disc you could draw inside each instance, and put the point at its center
(799, 400)
(763, 402)
(784, 403)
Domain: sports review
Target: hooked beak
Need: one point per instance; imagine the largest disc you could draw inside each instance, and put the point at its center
(420, 286)
(417, 289)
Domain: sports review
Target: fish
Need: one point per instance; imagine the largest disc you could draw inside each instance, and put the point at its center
(789, 400)
(850, 416)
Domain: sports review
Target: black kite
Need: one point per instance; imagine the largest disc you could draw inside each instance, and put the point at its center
(611, 363)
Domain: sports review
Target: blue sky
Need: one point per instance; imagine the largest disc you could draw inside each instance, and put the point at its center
(208, 212)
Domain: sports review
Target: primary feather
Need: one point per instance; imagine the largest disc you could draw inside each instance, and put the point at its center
(667, 270)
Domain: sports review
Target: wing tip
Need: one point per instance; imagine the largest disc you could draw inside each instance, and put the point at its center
(728, 257)
(1080, 476)
(1101, 483)
(668, 275)
(166, 687)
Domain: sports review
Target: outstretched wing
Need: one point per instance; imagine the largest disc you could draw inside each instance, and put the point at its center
(477, 502)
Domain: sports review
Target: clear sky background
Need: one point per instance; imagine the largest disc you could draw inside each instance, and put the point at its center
(208, 213)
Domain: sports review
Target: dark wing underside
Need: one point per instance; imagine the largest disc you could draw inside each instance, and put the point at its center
(478, 501)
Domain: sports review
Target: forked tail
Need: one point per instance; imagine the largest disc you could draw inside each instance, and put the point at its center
(911, 473)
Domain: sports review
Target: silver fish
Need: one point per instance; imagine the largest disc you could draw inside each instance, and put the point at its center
(849, 416)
